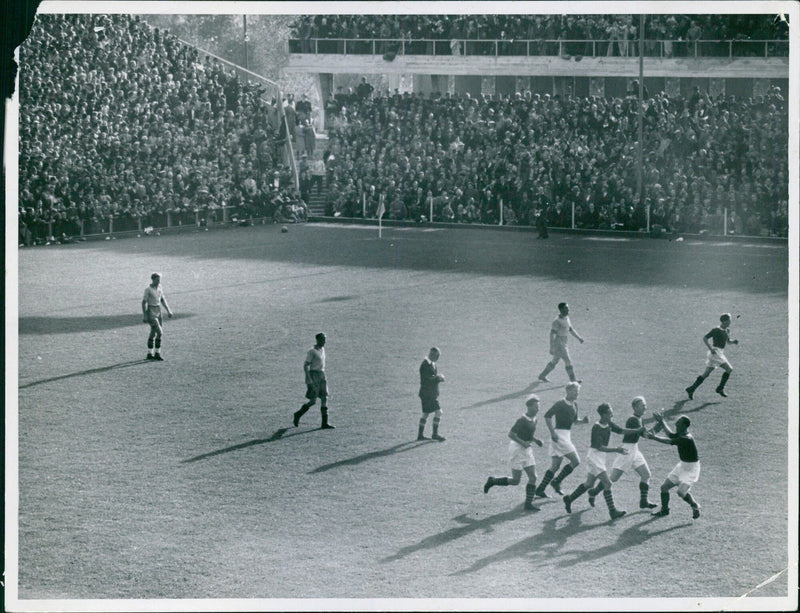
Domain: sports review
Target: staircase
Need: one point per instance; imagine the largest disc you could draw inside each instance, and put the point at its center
(316, 201)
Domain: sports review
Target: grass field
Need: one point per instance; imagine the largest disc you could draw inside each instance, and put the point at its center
(186, 479)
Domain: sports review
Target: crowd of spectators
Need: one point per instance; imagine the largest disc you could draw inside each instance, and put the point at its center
(545, 155)
(508, 27)
(122, 121)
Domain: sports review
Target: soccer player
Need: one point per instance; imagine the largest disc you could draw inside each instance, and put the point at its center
(316, 384)
(687, 471)
(520, 453)
(719, 337)
(151, 310)
(429, 380)
(559, 333)
(632, 459)
(559, 419)
(597, 457)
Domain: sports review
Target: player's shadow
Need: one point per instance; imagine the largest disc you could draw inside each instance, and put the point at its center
(33, 325)
(400, 448)
(677, 409)
(82, 373)
(469, 525)
(630, 537)
(546, 544)
(512, 396)
(279, 434)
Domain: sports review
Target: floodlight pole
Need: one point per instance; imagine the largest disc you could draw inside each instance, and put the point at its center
(640, 148)
(246, 63)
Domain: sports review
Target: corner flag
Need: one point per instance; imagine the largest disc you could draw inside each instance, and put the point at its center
(381, 211)
(381, 207)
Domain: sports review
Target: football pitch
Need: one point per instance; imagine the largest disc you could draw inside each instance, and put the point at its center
(187, 479)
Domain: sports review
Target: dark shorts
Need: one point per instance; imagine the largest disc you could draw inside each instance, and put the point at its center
(430, 405)
(318, 387)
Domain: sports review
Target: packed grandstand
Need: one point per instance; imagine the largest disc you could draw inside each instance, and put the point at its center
(122, 121)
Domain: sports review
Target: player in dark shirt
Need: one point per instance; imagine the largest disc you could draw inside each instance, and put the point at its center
(429, 380)
(719, 336)
(597, 457)
(687, 471)
(520, 453)
(559, 419)
(633, 459)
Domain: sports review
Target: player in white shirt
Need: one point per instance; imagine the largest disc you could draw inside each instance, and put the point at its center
(151, 309)
(316, 383)
(559, 333)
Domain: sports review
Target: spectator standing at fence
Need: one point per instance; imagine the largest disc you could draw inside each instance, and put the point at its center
(429, 380)
(693, 35)
(152, 302)
(520, 453)
(559, 333)
(617, 34)
(316, 383)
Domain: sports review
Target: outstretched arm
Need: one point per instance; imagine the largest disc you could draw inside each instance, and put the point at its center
(575, 334)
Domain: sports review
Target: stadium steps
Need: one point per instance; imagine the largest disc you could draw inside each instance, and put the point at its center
(316, 202)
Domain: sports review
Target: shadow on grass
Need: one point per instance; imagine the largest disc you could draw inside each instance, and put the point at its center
(513, 395)
(630, 537)
(279, 434)
(81, 373)
(408, 446)
(92, 323)
(468, 526)
(547, 543)
(677, 409)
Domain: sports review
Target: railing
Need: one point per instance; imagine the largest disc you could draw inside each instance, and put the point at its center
(541, 47)
(43, 231)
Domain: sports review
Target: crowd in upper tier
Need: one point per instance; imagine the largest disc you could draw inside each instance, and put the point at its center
(507, 27)
(547, 155)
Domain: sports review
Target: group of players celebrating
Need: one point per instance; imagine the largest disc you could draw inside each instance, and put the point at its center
(603, 470)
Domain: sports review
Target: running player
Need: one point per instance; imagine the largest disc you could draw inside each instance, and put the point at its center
(559, 419)
(151, 309)
(687, 471)
(597, 457)
(520, 453)
(316, 383)
(632, 459)
(719, 336)
(559, 333)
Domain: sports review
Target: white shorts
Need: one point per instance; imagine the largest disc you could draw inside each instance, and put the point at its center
(716, 359)
(564, 444)
(559, 350)
(596, 461)
(685, 473)
(634, 459)
(520, 457)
